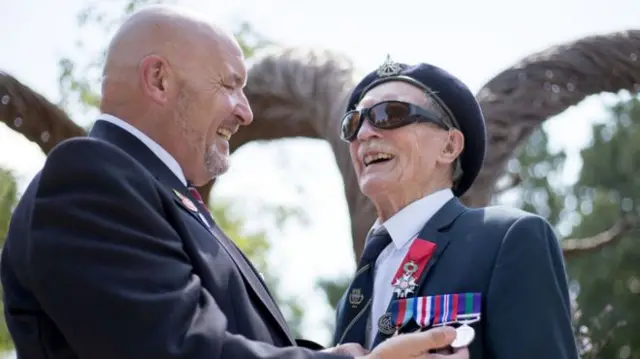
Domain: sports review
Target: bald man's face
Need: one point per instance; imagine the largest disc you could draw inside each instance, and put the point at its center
(212, 107)
(179, 78)
(208, 107)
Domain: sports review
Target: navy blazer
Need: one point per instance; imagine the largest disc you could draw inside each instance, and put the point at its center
(105, 259)
(513, 259)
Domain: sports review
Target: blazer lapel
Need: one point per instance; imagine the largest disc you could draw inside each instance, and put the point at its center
(247, 270)
(253, 278)
(433, 231)
(138, 150)
(182, 198)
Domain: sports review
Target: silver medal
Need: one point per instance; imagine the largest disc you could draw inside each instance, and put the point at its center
(464, 337)
(406, 283)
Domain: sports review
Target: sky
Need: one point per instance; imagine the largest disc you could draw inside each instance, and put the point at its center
(474, 40)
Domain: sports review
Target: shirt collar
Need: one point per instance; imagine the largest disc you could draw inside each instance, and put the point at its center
(408, 222)
(162, 154)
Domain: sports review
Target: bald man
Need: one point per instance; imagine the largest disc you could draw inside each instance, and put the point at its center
(112, 254)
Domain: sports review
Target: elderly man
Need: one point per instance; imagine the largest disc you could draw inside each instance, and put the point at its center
(417, 141)
(112, 254)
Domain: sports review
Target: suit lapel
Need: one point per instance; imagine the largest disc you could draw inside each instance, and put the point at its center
(135, 148)
(247, 270)
(182, 198)
(252, 277)
(433, 231)
(436, 231)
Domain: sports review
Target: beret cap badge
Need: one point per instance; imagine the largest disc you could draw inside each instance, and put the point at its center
(389, 68)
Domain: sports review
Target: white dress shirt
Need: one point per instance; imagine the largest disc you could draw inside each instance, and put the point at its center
(403, 227)
(162, 154)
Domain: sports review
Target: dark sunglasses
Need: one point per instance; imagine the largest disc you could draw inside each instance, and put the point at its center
(387, 115)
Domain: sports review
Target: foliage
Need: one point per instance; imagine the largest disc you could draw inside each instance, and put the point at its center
(539, 170)
(606, 283)
(607, 189)
(333, 290)
(8, 199)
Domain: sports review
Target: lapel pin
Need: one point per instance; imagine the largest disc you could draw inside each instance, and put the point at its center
(185, 201)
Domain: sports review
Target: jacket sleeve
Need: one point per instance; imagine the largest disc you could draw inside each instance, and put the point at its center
(110, 272)
(528, 307)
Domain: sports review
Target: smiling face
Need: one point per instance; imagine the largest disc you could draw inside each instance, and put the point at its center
(211, 107)
(201, 101)
(179, 79)
(404, 164)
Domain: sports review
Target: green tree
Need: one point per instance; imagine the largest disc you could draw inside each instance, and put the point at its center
(605, 282)
(8, 198)
(609, 189)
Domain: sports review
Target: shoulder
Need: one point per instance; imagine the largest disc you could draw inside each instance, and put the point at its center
(88, 156)
(93, 167)
(524, 232)
(502, 223)
(85, 150)
(502, 216)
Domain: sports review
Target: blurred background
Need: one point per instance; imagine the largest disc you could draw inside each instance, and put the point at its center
(558, 82)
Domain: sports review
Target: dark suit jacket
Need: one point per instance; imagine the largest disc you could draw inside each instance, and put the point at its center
(104, 260)
(514, 260)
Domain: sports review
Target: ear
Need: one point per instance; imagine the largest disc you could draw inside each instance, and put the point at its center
(453, 147)
(154, 73)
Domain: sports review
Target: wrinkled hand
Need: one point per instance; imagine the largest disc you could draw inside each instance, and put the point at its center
(462, 353)
(352, 349)
(415, 345)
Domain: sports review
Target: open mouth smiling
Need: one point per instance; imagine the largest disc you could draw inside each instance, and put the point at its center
(225, 133)
(375, 158)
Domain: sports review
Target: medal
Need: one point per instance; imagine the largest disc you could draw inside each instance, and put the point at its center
(385, 324)
(405, 280)
(186, 201)
(447, 309)
(464, 337)
(400, 313)
(404, 285)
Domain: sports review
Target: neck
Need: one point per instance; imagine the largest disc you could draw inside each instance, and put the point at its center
(390, 203)
(159, 128)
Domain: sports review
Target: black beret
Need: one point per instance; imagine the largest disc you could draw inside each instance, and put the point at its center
(452, 95)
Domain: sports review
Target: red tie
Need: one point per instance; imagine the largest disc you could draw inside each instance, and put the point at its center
(194, 192)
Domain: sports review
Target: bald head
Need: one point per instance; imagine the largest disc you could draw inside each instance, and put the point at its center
(177, 35)
(169, 71)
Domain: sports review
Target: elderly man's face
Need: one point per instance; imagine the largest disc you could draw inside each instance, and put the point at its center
(414, 150)
(211, 105)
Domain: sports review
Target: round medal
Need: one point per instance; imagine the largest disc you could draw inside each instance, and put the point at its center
(385, 324)
(464, 337)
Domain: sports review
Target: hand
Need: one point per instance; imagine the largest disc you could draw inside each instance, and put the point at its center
(415, 345)
(462, 353)
(352, 349)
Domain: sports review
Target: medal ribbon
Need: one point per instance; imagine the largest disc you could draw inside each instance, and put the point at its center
(402, 311)
(446, 309)
(419, 253)
(424, 306)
